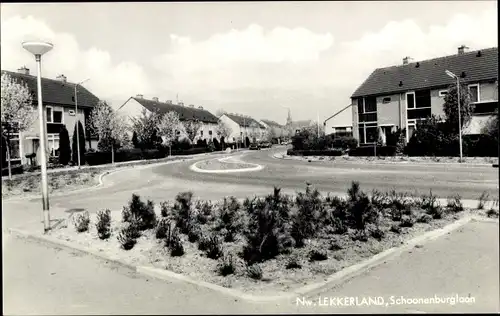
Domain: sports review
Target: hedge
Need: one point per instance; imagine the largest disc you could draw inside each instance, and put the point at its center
(15, 169)
(325, 152)
(370, 151)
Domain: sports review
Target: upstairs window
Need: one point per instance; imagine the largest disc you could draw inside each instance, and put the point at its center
(54, 116)
(386, 100)
(474, 93)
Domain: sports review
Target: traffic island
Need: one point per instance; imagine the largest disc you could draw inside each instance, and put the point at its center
(262, 249)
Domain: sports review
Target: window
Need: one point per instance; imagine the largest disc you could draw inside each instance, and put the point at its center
(53, 142)
(474, 93)
(54, 116)
(443, 93)
(210, 133)
(15, 151)
(412, 125)
(418, 104)
(201, 133)
(410, 100)
(367, 109)
(386, 100)
(370, 105)
(368, 133)
(361, 106)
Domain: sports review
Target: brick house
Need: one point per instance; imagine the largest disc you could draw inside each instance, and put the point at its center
(397, 96)
(134, 106)
(59, 102)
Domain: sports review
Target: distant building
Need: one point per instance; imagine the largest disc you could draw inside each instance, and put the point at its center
(274, 128)
(398, 96)
(134, 106)
(243, 126)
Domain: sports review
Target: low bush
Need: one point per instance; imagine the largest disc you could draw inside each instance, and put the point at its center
(255, 272)
(396, 229)
(163, 228)
(204, 211)
(318, 255)
(455, 204)
(103, 224)
(183, 212)
(143, 213)
(344, 142)
(14, 169)
(407, 221)
(128, 236)
(482, 200)
(175, 245)
(230, 218)
(325, 152)
(194, 235)
(213, 247)
(306, 220)
(166, 209)
(82, 222)
(226, 265)
(359, 235)
(424, 218)
(293, 263)
(431, 205)
(377, 233)
(492, 213)
(370, 151)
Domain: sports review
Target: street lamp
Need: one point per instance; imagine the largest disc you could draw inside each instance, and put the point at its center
(77, 120)
(452, 75)
(38, 49)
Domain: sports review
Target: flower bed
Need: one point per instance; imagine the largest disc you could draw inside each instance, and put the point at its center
(262, 246)
(216, 164)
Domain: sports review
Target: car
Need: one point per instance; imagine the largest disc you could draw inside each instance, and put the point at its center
(265, 145)
(254, 146)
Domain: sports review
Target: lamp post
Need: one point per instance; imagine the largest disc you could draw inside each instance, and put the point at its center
(77, 121)
(38, 49)
(452, 75)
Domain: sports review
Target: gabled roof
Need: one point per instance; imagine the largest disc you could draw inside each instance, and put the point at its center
(55, 91)
(271, 123)
(480, 65)
(185, 112)
(244, 121)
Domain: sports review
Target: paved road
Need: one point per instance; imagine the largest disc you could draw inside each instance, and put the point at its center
(43, 280)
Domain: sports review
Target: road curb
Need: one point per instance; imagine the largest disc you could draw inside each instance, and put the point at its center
(332, 281)
(194, 168)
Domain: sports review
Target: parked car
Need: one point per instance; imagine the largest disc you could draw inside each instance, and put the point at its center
(254, 146)
(265, 145)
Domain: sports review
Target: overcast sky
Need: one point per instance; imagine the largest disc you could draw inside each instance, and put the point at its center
(251, 58)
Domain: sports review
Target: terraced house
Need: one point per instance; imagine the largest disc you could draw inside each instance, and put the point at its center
(398, 96)
(134, 106)
(59, 102)
(243, 126)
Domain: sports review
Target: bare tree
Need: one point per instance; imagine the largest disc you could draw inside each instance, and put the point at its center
(146, 127)
(192, 127)
(223, 130)
(17, 111)
(168, 125)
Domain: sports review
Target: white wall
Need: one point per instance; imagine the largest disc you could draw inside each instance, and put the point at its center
(235, 129)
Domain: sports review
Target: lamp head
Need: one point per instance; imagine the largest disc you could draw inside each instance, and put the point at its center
(450, 74)
(37, 48)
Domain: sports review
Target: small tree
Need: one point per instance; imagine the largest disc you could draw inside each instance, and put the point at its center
(145, 127)
(81, 136)
(192, 127)
(64, 146)
(168, 125)
(17, 111)
(450, 107)
(491, 127)
(223, 131)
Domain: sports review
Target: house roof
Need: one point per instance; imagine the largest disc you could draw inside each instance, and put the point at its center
(244, 120)
(480, 65)
(271, 123)
(185, 112)
(55, 91)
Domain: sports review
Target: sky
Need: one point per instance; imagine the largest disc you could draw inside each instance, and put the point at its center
(253, 58)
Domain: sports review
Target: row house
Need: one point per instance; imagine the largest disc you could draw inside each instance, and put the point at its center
(243, 126)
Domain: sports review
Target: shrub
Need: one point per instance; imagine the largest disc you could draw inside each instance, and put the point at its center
(362, 212)
(455, 204)
(163, 228)
(318, 255)
(482, 200)
(103, 224)
(345, 142)
(360, 235)
(203, 242)
(424, 218)
(267, 232)
(81, 144)
(230, 218)
(213, 247)
(293, 263)
(255, 272)
(175, 244)
(305, 221)
(326, 152)
(82, 222)
(204, 213)
(378, 234)
(64, 146)
(335, 245)
(183, 213)
(166, 209)
(396, 229)
(492, 213)
(142, 213)
(431, 205)
(226, 265)
(194, 235)
(407, 221)
(369, 151)
(128, 236)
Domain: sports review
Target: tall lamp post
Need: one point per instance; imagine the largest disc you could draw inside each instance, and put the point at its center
(77, 120)
(38, 49)
(452, 75)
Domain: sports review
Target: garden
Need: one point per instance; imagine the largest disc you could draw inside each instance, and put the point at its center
(262, 245)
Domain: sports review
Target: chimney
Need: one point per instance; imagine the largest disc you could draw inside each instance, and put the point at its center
(191, 105)
(462, 49)
(181, 103)
(169, 101)
(140, 96)
(200, 107)
(23, 70)
(61, 78)
(155, 99)
(406, 60)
